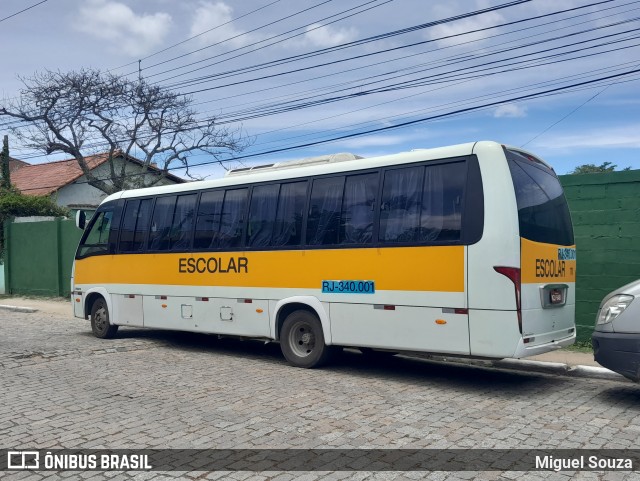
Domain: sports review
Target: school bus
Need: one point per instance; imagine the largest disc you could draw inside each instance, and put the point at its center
(465, 250)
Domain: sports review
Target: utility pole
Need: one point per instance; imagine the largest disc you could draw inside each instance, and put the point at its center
(5, 181)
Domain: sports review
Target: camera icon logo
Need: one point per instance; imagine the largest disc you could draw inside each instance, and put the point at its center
(23, 460)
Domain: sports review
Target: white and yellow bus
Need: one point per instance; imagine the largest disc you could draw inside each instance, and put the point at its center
(465, 250)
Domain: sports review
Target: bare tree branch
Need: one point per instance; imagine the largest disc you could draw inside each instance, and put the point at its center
(87, 112)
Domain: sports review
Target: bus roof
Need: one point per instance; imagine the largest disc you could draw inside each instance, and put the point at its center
(306, 170)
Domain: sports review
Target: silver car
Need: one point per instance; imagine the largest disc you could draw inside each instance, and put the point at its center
(616, 339)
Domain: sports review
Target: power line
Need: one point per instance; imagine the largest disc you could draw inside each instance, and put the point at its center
(23, 10)
(317, 26)
(347, 44)
(566, 116)
(186, 54)
(198, 35)
(193, 82)
(307, 101)
(457, 74)
(464, 110)
(413, 67)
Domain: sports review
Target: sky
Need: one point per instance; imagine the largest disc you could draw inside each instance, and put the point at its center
(563, 85)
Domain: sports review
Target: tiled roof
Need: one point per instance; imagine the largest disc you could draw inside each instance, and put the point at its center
(15, 164)
(44, 179)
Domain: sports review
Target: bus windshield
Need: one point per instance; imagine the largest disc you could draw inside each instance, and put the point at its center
(543, 212)
(96, 237)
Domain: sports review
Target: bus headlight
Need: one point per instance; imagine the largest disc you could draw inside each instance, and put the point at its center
(613, 308)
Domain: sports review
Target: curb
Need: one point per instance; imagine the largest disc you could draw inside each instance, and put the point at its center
(557, 368)
(7, 307)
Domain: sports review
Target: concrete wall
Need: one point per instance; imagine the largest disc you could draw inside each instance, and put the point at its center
(605, 209)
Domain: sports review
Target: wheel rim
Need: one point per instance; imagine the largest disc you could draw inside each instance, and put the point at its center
(100, 318)
(302, 339)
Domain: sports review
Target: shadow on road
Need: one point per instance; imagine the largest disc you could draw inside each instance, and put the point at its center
(623, 397)
(352, 363)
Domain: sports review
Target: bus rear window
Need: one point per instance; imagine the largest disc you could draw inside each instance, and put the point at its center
(543, 212)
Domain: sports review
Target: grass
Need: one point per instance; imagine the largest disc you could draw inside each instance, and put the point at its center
(581, 346)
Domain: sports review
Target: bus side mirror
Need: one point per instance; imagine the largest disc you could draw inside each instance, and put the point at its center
(81, 219)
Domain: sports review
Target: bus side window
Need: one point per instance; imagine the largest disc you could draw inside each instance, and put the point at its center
(323, 223)
(287, 230)
(137, 214)
(441, 218)
(262, 215)
(356, 223)
(182, 225)
(160, 231)
(232, 219)
(208, 221)
(400, 206)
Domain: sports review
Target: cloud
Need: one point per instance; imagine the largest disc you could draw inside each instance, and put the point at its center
(325, 36)
(510, 111)
(488, 19)
(374, 141)
(622, 137)
(211, 18)
(120, 26)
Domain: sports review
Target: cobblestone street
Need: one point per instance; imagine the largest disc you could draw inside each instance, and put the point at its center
(62, 388)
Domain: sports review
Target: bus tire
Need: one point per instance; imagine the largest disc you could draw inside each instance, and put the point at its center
(100, 324)
(302, 340)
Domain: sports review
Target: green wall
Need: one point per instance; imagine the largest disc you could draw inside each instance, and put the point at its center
(40, 257)
(605, 209)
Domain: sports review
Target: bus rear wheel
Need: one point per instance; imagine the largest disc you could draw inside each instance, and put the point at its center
(100, 324)
(302, 340)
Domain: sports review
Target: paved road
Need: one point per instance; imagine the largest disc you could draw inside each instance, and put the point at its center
(62, 388)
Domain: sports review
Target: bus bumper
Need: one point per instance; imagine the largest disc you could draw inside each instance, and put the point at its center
(526, 350)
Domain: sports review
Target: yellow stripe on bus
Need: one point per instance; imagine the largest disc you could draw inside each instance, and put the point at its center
(547, 262)
(439, 268)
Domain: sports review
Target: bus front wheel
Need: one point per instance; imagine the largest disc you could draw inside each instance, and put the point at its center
(100, 324)
(302, 340)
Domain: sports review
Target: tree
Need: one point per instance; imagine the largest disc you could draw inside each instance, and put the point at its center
(15, 204)
(87, 112)
(5, 181)
(595, 169)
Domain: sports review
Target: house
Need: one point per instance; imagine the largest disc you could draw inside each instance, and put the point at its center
(65, 183)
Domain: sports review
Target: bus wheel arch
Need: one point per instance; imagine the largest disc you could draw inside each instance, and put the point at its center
(286, 306)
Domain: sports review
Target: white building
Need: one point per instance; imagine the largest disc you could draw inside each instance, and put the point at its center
(65, 183)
